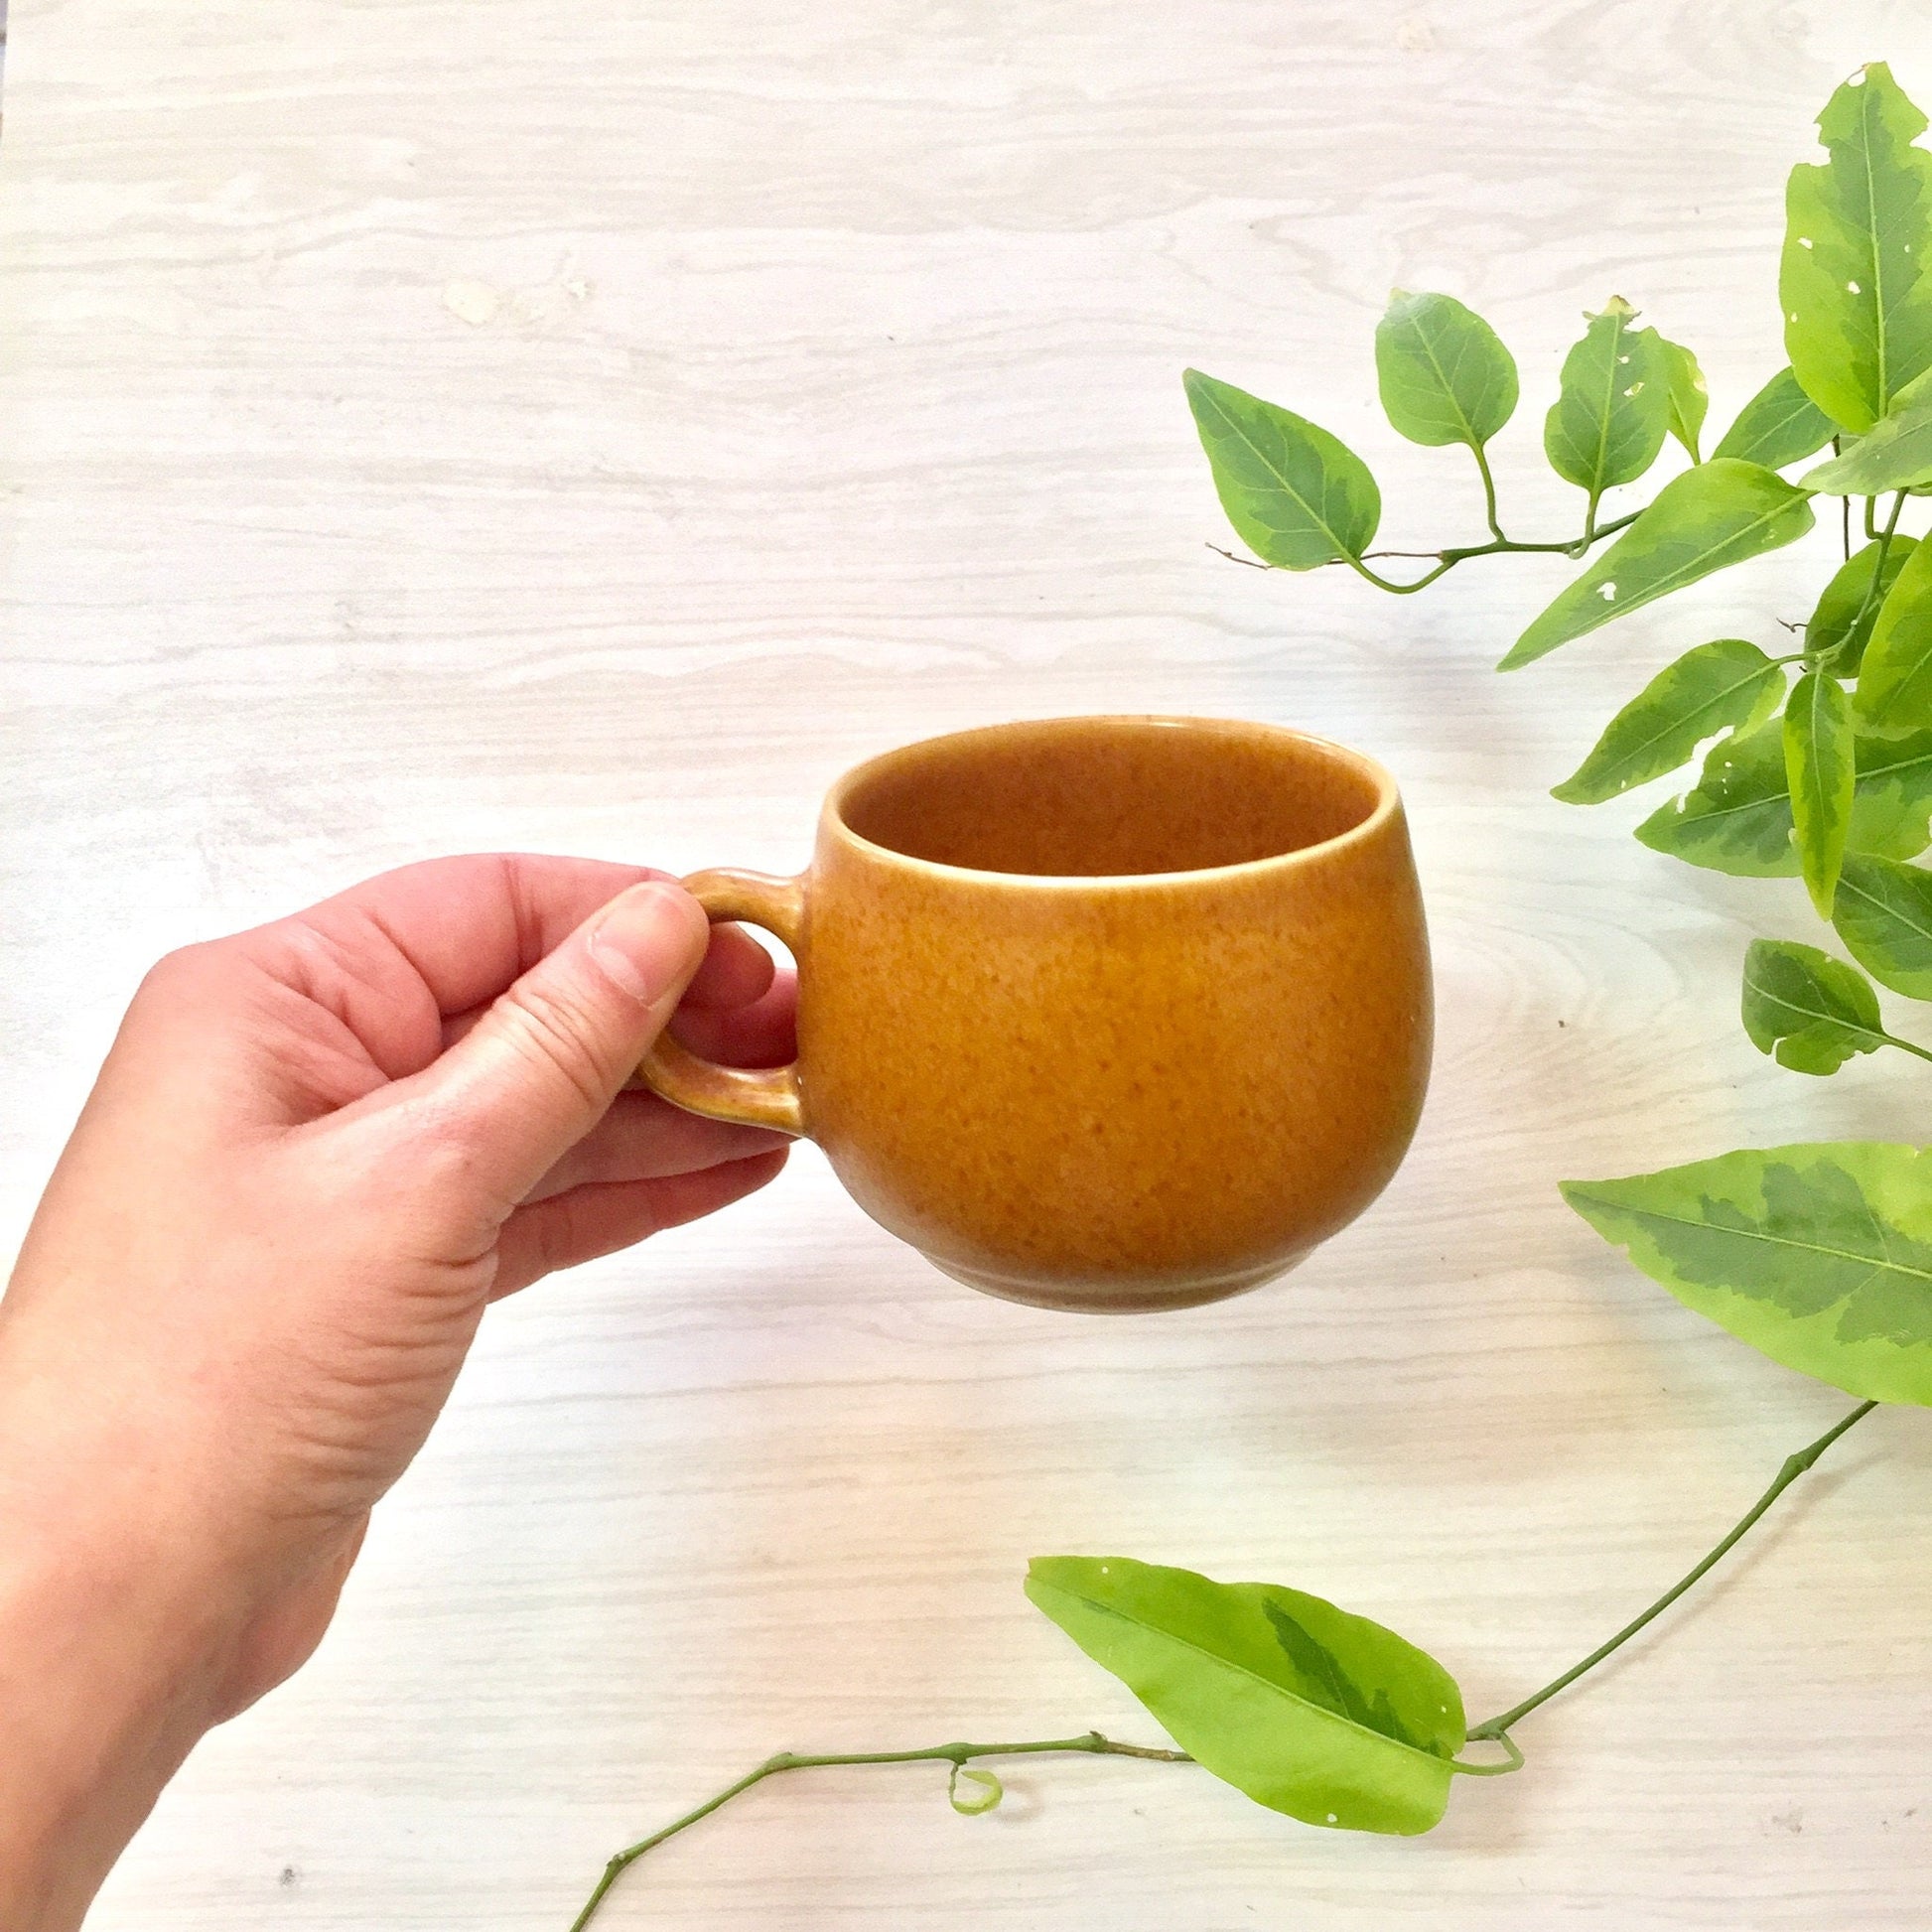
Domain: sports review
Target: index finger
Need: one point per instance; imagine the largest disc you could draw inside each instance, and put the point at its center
(469, 926)
(464, 930)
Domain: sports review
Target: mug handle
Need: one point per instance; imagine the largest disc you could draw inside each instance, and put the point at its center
(767, 1096)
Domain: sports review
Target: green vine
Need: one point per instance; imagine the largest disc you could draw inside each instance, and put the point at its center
(988, 1791)
(1793, 1468)
(960, 1756)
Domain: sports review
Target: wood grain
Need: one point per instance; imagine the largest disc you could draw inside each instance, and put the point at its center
(437, 426)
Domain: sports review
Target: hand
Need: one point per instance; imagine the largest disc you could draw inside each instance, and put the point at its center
(316, 1151)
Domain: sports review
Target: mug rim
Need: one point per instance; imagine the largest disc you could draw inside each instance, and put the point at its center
(1388, 802)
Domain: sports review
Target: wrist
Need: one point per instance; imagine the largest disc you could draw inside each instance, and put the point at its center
(116, 1643)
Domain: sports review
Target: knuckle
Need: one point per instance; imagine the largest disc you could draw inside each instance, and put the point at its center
(175, 971)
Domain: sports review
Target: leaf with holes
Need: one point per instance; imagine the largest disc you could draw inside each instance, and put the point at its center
(1715, 687)
(1818, 761)
(1894, 691)
(1612, 410)
(1820, 1256)
(1690, 395)
(1327, 1716)
(1840, 626)
(1717, 515)
(1736, 818)
(1780, 425)
(1883, 913)
(1810, 1012)
(1297, 497)
(1858, 307)
(1444, 372)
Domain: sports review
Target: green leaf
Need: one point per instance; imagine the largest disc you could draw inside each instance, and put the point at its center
(1717, 515)
(1737, 816)
(1444, 372)
(1296, 495)
(1858, 309)
(1894, 454)
(1820, 1256)
(1883, 913)
(1895, 678)
(1812, 1012)
(1690, 395)
(1308, 1710)
(1738, 819)
(1817, 761)
(974, 1792)
(1836, 626)
(1894, 801)
(1613, 412)
(1779, 425)
(1708, 690)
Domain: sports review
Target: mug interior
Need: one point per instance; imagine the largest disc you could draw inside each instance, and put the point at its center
(1093, 798)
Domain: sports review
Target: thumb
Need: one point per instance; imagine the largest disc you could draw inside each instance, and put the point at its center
(538, 1071)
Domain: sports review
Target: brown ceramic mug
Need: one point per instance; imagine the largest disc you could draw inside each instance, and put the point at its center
(1097, 1013)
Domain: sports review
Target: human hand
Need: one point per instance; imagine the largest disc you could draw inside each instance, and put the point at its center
(315, 1152)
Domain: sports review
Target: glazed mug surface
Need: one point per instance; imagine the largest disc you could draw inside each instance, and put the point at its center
(1108, 1014)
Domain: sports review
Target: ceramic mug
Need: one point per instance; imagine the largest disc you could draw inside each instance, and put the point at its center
(1097, 1013)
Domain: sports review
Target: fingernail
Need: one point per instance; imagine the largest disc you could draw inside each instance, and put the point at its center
(649, 940)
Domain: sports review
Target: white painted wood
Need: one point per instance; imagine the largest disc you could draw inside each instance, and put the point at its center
(436, 426)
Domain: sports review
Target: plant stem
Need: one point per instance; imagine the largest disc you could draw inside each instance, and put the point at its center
(1794, 1467)
(1422, 582)
(1488, 491)
(1871, 597)
(1905, 1045)
(1445, 560)
(1089, 1741)
(1513, 1762)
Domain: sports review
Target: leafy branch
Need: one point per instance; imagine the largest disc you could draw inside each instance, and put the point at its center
(1178, 1640)
(1816, 763)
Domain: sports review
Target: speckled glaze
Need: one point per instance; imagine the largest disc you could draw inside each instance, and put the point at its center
(1107, 1013)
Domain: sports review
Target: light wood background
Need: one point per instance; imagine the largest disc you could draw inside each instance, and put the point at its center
(442, 424)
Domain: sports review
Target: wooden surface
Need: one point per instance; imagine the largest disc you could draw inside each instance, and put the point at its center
(589, 427)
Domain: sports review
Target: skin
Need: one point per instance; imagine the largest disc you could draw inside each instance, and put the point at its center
(315, 1154)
